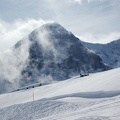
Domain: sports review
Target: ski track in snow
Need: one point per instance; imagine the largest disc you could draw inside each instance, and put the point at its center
(62, 109)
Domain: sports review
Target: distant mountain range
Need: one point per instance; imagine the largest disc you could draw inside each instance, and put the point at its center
(109, 53)
(51, 53)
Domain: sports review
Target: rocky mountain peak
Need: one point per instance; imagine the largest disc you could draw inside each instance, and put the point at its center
(57, 53)
(49, 53)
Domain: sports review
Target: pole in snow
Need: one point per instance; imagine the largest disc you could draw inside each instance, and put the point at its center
(33, 96)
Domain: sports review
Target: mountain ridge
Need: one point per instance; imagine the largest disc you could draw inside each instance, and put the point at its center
(49, 53)
(108, 52)
(57, 53)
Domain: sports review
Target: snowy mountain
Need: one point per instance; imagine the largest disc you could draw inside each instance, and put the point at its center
(94, 97)
(56, 54)
(109, 53)
(49, 53)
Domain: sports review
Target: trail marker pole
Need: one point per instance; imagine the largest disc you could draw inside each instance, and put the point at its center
(33, 96)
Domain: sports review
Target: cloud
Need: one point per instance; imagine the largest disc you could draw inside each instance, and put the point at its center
(81, 1)
(13, 61)
(12, 32)
(100, 38)
(80, 16)
(76, 1)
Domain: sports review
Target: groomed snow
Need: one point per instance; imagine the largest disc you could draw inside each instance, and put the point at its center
(94, 97)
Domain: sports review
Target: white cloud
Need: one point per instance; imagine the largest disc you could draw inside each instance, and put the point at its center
(81, 1)
(10, 33)
(12, 63)
(76, 1)
(95, 18)
(100, 38)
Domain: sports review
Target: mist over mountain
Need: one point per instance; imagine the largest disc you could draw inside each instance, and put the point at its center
(109, 53)
(56, 54)
(49, 53)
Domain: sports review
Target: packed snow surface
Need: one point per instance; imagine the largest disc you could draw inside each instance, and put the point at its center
(93, 97)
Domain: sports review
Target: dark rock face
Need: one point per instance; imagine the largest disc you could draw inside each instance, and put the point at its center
(57, 53)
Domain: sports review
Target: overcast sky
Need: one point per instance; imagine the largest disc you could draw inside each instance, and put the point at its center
(91, 20)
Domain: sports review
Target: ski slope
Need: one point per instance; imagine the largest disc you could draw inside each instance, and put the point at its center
(94, 97)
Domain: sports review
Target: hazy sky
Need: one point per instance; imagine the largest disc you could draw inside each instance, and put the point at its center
(91, 20)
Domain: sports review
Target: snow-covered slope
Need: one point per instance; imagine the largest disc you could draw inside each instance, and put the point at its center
(94, 97)
(109, 53)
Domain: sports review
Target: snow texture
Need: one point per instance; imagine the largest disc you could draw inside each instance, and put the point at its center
(93, 97)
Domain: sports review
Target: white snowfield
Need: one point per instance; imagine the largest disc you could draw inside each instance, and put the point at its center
(93, 97)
